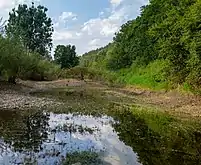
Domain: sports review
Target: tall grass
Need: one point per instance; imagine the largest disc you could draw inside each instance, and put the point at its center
(150, 76)
(153, 76)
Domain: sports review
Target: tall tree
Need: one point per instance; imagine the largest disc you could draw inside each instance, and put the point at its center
(66, 56)
(32, 26)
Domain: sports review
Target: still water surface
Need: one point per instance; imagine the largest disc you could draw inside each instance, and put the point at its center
(46, 138)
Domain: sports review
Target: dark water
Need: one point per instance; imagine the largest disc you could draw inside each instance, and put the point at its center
(44, 138)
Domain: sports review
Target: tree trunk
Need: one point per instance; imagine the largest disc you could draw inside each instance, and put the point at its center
(12, 79)
(82, 76)
(1, 76)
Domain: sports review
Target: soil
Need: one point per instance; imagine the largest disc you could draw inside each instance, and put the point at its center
(19, 97)
(173, 102)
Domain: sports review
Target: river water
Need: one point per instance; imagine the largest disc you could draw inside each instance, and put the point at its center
(46, 138)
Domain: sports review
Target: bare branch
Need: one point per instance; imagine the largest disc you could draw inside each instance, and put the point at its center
(2, 25)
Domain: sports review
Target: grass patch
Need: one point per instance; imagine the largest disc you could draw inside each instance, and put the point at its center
(163, 123)
(86, 100)
(150, 76)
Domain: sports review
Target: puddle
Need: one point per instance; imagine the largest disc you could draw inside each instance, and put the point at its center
(46, 138)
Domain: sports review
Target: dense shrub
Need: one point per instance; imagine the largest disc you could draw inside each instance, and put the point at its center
(16, 62)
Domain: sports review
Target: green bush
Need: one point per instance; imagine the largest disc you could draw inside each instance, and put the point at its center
(15, 62)
(12, 58)
(151, 76)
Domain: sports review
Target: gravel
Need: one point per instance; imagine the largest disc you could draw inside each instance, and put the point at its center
(21, 99)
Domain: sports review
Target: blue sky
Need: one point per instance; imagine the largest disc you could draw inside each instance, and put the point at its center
(88, 24)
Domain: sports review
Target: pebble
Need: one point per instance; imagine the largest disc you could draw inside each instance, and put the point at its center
(18, 100)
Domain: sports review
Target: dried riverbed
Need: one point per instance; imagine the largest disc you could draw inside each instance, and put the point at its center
(74, 122)
(19, 96)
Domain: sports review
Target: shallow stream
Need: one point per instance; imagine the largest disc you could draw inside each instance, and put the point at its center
(117, 137)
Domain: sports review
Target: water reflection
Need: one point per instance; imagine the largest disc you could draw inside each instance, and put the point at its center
(152, 148)
(23, 131)
(46, 138)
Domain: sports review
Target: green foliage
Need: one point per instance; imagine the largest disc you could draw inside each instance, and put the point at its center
(66, 56)
(96, 58)
(32, 26)
(12, 57)
(83, 158)
(151, 76)
(15, 62)
(40, 69)
(117, 58)
(166, 30)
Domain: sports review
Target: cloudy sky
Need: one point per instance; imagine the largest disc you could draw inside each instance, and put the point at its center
(88, 24)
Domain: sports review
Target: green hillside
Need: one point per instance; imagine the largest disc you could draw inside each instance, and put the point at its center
(161, 48)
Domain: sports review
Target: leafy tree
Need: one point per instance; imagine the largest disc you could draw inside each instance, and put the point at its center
(12, 58)
(32, 26)
(117, 58)
(166, 30)
(1, 32)
(26, 43)
(66, 56)
(96, 58)
(33, 128)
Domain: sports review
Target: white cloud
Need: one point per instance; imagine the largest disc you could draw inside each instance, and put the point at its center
(62, 35)
(98, 32)
(106, 26)
(94, 42)
(101, 13)
(78, 34)
(115, 2)
(67, 15)
(63, 20)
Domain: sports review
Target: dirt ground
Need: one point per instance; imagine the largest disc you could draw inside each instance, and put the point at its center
(18, 96)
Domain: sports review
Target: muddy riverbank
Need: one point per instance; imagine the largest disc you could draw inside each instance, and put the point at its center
(68, 122)
(24, 95)
(20, 96)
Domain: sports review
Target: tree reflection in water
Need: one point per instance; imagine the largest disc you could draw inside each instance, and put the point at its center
(24, 130)
(28, 136)
(47, 138)
(154, 149)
